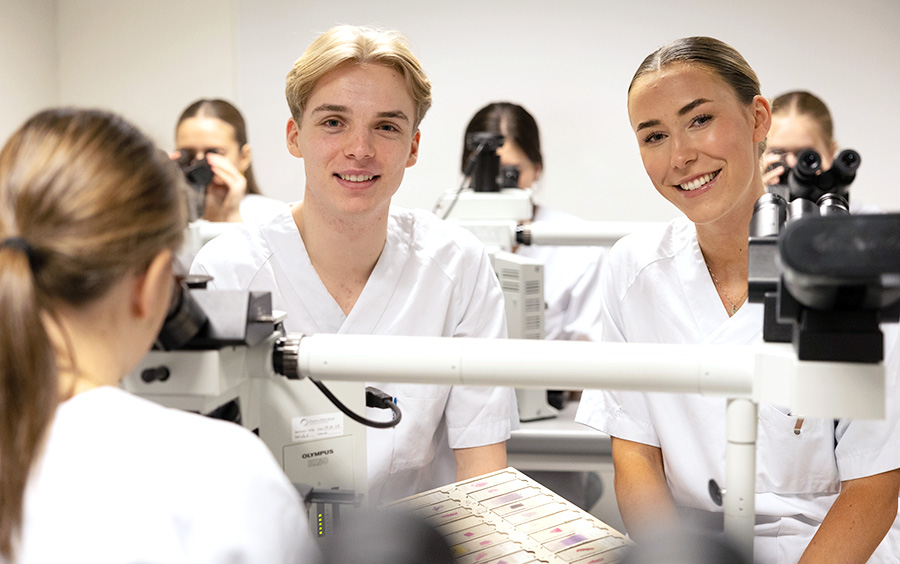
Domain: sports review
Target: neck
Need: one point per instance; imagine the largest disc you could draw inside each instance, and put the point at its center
(342, 250)
(724, 242)
(341, 243)
(85, 352)
(724, 245)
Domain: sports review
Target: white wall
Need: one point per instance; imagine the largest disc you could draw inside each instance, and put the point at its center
(569, 63)
(146, 59)
(28, 61)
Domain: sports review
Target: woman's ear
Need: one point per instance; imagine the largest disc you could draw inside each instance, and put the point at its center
(153, 286)
(762, 117)
(245, 158)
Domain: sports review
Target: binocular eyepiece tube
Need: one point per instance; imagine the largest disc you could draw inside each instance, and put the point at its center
(772, 213)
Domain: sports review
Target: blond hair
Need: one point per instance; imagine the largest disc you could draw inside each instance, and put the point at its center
(360, 45)
(807, 104)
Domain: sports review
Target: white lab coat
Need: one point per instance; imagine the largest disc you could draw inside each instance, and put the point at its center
(657, 290)
(256, 208)
(432, 279)
(571, 283)
(122, 479)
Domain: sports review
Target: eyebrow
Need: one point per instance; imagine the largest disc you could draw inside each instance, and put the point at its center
(331, 108)
(397, 114)
(687, 108)
(692, 105)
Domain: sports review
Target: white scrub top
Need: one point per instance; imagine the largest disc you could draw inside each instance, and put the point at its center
(432, 279)
(571, 283)
(123, 480)
(657, 289)
(256, 208)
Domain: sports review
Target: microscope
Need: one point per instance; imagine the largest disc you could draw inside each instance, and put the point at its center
(826, 278)
(492, 207)
(237, 355)
(224, 354)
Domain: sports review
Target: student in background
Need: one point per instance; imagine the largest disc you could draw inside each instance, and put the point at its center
(214, 129)
(571, 273)
(801, 120)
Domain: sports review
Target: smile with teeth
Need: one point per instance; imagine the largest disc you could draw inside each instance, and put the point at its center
(356, 177)
(698, 182)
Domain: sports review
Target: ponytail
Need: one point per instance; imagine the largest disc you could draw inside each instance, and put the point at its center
(84, 198)
(28, 386)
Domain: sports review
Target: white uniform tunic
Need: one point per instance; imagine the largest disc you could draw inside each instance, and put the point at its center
(432, 279)
(256, 208)
(571, 283)
(657, 290)
(122, 480)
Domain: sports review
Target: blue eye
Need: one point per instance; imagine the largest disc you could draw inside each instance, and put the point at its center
(331, 123)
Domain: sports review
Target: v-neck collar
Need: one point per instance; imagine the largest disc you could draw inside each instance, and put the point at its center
(325, 314)
(704, 302)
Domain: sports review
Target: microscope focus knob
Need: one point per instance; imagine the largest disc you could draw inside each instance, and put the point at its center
(286, 357)
(155, 374)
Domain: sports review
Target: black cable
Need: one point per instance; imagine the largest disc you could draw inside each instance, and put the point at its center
(359, 418)
(467, 172)
(378, 399)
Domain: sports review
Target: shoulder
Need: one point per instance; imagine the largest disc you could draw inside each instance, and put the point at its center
(653, 244)
(168, 470)
(147, 436)
(439, 241)
(154, 426)
(257, 208)
(235, 257)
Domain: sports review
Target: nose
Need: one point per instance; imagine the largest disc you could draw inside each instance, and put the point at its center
(682, 152)
(790, 159)
(359, 144)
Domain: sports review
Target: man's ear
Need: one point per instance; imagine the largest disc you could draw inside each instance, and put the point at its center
(292, 138)
(152, 285)
(414, 149)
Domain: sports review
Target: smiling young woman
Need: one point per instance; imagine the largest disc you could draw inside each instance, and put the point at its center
(699, 121)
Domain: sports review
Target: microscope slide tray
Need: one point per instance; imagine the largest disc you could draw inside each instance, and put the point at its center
(506, 517)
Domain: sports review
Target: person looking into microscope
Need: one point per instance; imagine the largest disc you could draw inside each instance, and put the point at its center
(214, 130)
(91, 213)
(571, 273)
(344, 260)
(826, 490)
(801, 121)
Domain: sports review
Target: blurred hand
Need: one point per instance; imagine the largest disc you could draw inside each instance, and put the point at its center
(225, 192)
(772, 176)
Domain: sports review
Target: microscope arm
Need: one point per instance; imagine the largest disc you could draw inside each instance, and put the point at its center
(599, 233)
(745, 375)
